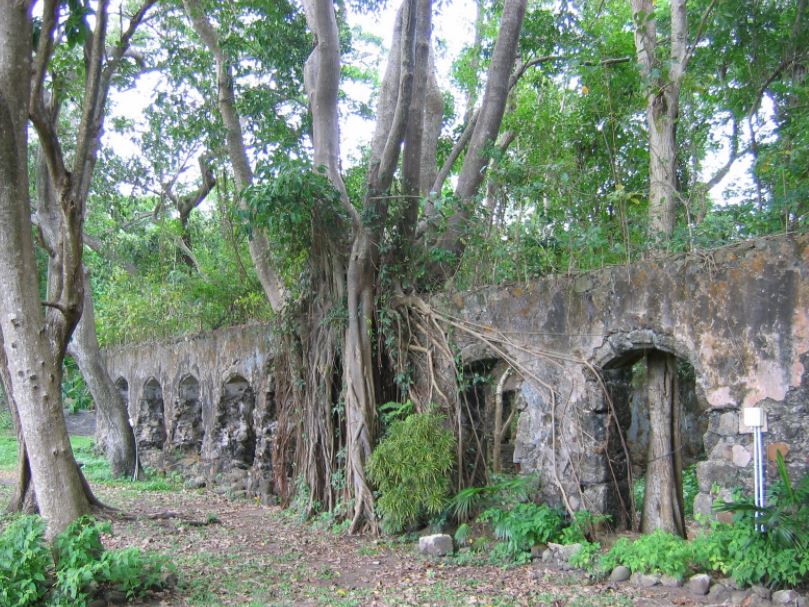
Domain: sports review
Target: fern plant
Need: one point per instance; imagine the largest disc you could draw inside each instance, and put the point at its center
(785, 519)
(504, 492)
(524, 526)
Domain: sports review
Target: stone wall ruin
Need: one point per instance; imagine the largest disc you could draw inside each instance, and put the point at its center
(736, 318)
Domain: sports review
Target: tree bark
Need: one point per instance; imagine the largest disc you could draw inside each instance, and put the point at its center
(486, 129)
(33, 361)
(662, 109)
(663, 499)
(113, 431)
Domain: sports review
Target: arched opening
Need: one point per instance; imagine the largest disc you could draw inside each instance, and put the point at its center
(150, 430)
(234, 435)
(187, 429)
(661, 428)
(489, 415)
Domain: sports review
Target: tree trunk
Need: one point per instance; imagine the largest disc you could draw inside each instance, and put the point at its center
(663, 501)
(662, 109)
(33, 372)
(113, 431)
(23, 499)
(486, 129)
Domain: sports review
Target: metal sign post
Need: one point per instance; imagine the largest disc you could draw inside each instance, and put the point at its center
(754, 418)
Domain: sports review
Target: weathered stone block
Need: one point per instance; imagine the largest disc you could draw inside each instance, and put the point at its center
(728, 424)
(439, 544)
(741, 456)
(699, 584)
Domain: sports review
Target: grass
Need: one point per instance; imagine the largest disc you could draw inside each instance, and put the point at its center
(93, 465)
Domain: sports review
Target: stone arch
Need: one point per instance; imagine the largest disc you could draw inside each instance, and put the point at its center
(187, 428)
(233, 433)
(150, 423)
(492, 404)
(623, 370)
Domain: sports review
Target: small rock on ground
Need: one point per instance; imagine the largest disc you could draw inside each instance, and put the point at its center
(699, 584)
(439, 544)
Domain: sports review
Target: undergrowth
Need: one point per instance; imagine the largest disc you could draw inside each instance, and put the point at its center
(768, 545)
(77, 569)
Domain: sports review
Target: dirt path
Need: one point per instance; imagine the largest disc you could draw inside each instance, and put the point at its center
(254, 555)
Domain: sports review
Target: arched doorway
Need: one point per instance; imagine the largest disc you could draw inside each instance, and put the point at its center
(123, 389)
(656, 431)
(150, 430)
(234, 435)
(187, 429)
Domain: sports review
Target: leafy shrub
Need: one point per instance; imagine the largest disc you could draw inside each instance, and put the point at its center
(24, 561)
(750, 557)
(582, 528)
(29, 575)
(778, 554)
(463, 534)
(658, 552)
(785, 518)
(523, 526)
(503, 492)
(411, 468)
(75, 393)
(586, 556)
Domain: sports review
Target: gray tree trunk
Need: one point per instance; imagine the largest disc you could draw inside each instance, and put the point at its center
(33, 353)
(113, 431)
(662, 109)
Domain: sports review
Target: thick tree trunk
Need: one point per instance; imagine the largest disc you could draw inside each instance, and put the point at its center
(663, 501)
(33, 372)
(113, 431)
(662, 109)
(23, 499)
(486, 128)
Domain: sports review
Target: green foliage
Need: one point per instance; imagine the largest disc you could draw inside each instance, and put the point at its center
(523, 526)
(6, 423)
(586, 557)
(392, 411)
(31, 575)
(24, 561)
(658, 552)
(295, 204)
(777, 555)
(582, 528)
(749, 556)
(785, 518)
(411, 469)
(75, 394)
(82, 564)
(504, 492)
(463, 534)
(690, 489)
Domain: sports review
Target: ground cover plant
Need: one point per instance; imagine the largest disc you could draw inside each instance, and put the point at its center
(74, 569)
(767, 545)
(261, 556)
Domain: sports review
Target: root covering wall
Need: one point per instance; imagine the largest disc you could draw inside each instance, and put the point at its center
(737, 319)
